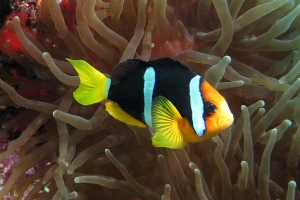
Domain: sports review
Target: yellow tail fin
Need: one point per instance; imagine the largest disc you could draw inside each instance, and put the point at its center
(93, 86)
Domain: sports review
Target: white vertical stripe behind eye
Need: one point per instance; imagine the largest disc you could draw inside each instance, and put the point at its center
(197, 106)
(149, 82)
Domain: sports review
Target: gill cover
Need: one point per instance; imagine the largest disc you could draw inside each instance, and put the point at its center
(222, 118)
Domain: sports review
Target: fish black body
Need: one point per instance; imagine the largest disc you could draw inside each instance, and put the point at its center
(176, 104)
(171, 81)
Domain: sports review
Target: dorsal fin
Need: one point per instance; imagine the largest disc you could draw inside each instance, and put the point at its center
(125, 69)
(167, 62)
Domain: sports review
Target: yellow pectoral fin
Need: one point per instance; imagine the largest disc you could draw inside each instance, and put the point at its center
(166, 120)
(114, 110)
(93, 86)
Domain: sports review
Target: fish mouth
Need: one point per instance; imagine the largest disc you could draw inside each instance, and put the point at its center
(225, 122)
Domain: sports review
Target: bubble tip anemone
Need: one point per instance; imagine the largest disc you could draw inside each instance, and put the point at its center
(16, 19)
(244, 163)
(227, 59)
(45, 54)
(288, 122)
(77, 180)
(107, 151)
(70, 171)
(262, 103)
(55, 112)
(292, 184)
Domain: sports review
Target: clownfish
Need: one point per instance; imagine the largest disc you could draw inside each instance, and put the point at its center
(177, 105)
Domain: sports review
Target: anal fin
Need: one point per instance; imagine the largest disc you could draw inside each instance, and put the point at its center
(118, 113)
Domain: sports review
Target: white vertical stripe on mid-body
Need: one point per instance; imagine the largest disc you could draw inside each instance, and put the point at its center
(197, 106)
(149, 82)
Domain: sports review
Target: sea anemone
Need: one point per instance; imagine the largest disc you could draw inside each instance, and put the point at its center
(54, 148)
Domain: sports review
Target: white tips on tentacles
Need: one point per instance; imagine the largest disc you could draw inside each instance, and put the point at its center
(241, 82)
(55, 112)
(262, 111)
(77, 180)
(244, 164)
(107, 151)
(45, 55)
(197, 171)
(71, 195)
(243, 107)
(292, 184)
(16, 19)
(227, 59)
(287, 122)
(46, 189)
(262, 103)
(151, 45)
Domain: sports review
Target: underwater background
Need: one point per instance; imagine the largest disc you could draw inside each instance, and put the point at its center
(247, 49)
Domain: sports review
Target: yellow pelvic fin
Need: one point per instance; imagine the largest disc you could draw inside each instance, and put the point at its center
(114, 110)
(166, 124)
(93, 86)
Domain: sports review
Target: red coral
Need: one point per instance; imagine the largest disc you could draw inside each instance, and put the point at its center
(8, 35)
(65, 4)
(34, 93)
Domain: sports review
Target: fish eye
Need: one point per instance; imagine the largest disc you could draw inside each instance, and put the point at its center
(210, 108)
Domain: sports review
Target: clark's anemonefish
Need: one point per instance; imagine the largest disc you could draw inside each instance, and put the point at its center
(177, 105)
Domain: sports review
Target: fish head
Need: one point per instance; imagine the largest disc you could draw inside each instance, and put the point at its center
(217, 114)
